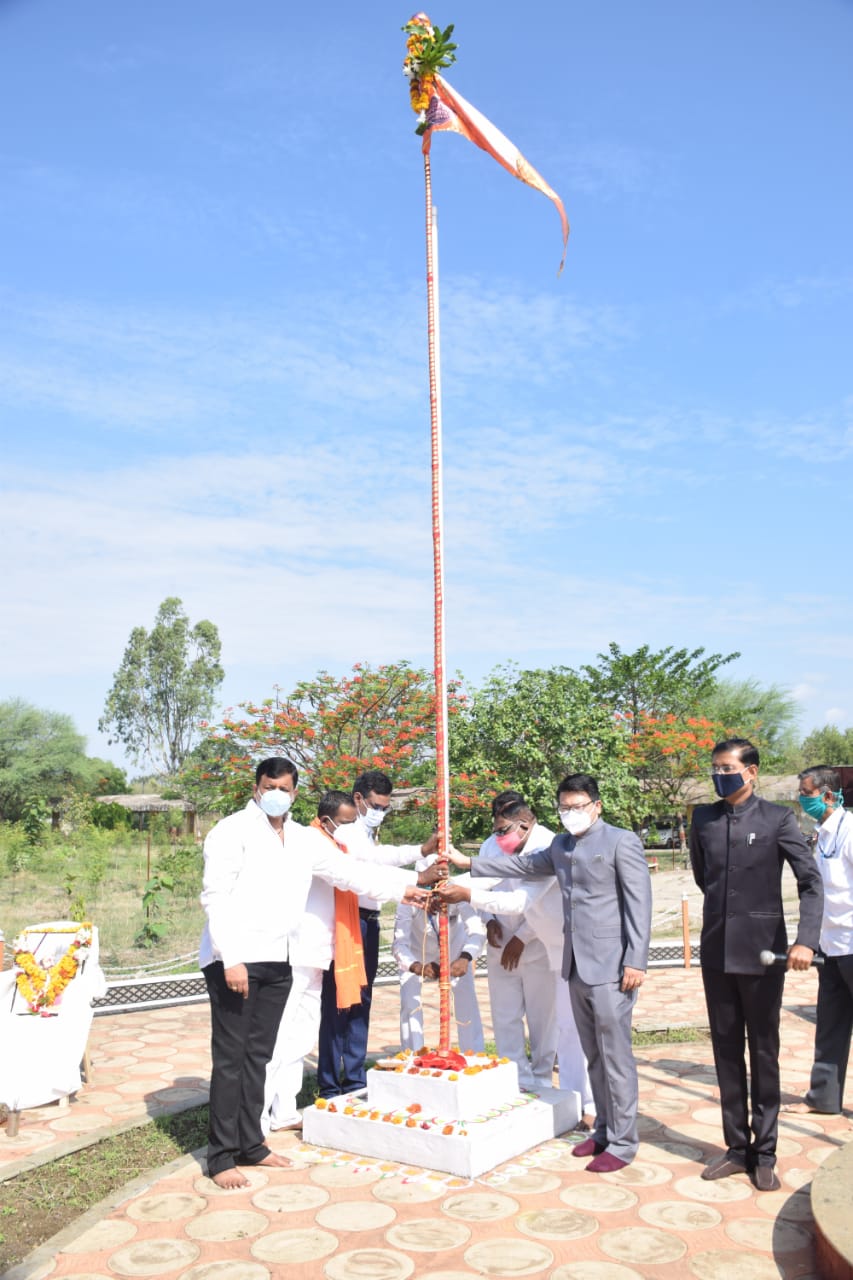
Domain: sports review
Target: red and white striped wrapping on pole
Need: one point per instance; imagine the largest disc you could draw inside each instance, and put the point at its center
(442, 767)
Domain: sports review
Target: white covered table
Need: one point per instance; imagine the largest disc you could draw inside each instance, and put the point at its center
(40, 1055)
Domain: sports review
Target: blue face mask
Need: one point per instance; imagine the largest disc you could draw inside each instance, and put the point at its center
(726, 784)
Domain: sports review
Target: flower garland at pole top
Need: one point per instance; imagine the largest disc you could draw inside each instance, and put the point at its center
(429, 51)
(40, 987)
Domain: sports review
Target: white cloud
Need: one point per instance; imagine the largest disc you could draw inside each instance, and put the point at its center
(799, 291)
(608, 168)
(346, 352)
(804, 691)
(836, 715)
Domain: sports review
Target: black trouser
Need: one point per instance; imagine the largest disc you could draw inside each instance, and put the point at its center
(746, 1007)
(832, 1034)
(242, 1039)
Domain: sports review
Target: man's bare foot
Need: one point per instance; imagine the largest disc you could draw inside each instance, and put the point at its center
(803, 1109)
(277, 1161)
(230, 1179)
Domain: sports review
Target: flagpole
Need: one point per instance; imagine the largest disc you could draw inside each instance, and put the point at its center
(442, 766)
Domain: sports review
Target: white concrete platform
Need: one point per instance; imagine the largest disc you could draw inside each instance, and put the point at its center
(452, 1095)
(464, 1148)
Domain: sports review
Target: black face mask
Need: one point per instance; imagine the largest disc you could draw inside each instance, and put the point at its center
(726, 784)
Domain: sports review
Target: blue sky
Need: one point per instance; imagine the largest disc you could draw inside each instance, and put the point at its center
(212, 344)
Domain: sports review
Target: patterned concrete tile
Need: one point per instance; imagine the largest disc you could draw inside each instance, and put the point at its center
(540, 1215)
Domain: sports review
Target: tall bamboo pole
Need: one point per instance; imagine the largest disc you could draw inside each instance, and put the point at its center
(442, 769)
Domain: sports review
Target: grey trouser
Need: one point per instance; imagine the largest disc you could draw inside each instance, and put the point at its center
(603, 1016)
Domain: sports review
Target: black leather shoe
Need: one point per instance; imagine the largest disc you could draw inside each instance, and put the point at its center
(722, 1167)
(765, 1179)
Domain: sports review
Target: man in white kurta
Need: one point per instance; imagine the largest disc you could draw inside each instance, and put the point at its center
(524, 947)
(257, 874)
(342, 1053)
(415, 948)
(524, 964)
(311, 953)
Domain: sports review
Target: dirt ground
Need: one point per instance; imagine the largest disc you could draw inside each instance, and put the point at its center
(670, 887)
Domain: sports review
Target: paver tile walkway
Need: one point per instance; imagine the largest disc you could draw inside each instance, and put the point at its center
(342, 1217)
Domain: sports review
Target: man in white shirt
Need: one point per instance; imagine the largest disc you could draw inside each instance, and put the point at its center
(525, 947)
(311, 953)
(342, 1053)
(607, 911)
(258, 869)
(415, 948)
(821, 798)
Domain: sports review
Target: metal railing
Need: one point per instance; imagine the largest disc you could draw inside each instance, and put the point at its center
(152, 990)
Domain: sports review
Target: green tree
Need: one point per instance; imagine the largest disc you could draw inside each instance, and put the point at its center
(528, 729)
(828, 745)
(166, 685)
(41, 757)
(669, 682)
(652, 694)
(766, 714)
(333, 728)
(103, 778)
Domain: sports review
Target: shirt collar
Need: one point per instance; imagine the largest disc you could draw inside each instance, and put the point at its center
(744, 807)
(832, 821)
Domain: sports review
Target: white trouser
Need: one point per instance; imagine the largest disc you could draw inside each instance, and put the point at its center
(525, 992)
(297, 1036)
(469, 1027)
(571, 1062)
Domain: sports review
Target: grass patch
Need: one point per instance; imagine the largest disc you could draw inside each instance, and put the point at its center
(37, 1204)
(101, 876)
(670, 1035)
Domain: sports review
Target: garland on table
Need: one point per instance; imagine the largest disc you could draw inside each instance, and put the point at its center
(40, 987)
(429, 50)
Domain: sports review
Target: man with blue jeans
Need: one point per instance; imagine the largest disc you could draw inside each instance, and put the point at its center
(342, 1055)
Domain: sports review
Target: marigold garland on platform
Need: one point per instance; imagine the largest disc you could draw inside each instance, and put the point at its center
(40, 987)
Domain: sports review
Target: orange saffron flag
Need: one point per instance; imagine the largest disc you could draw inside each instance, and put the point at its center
(350, 975)
(448, 110)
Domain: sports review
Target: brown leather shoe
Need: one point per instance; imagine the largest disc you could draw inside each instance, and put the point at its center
(764, 1178)
(722, 1167)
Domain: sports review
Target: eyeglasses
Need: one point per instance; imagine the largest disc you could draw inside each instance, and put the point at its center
(514, 826)
(574, 808)
(729, 768)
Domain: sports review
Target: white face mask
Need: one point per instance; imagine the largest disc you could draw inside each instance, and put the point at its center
(373, 818)
(275, 802)
(577, 821)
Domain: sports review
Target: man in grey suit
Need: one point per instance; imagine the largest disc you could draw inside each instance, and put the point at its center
(607, 909)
